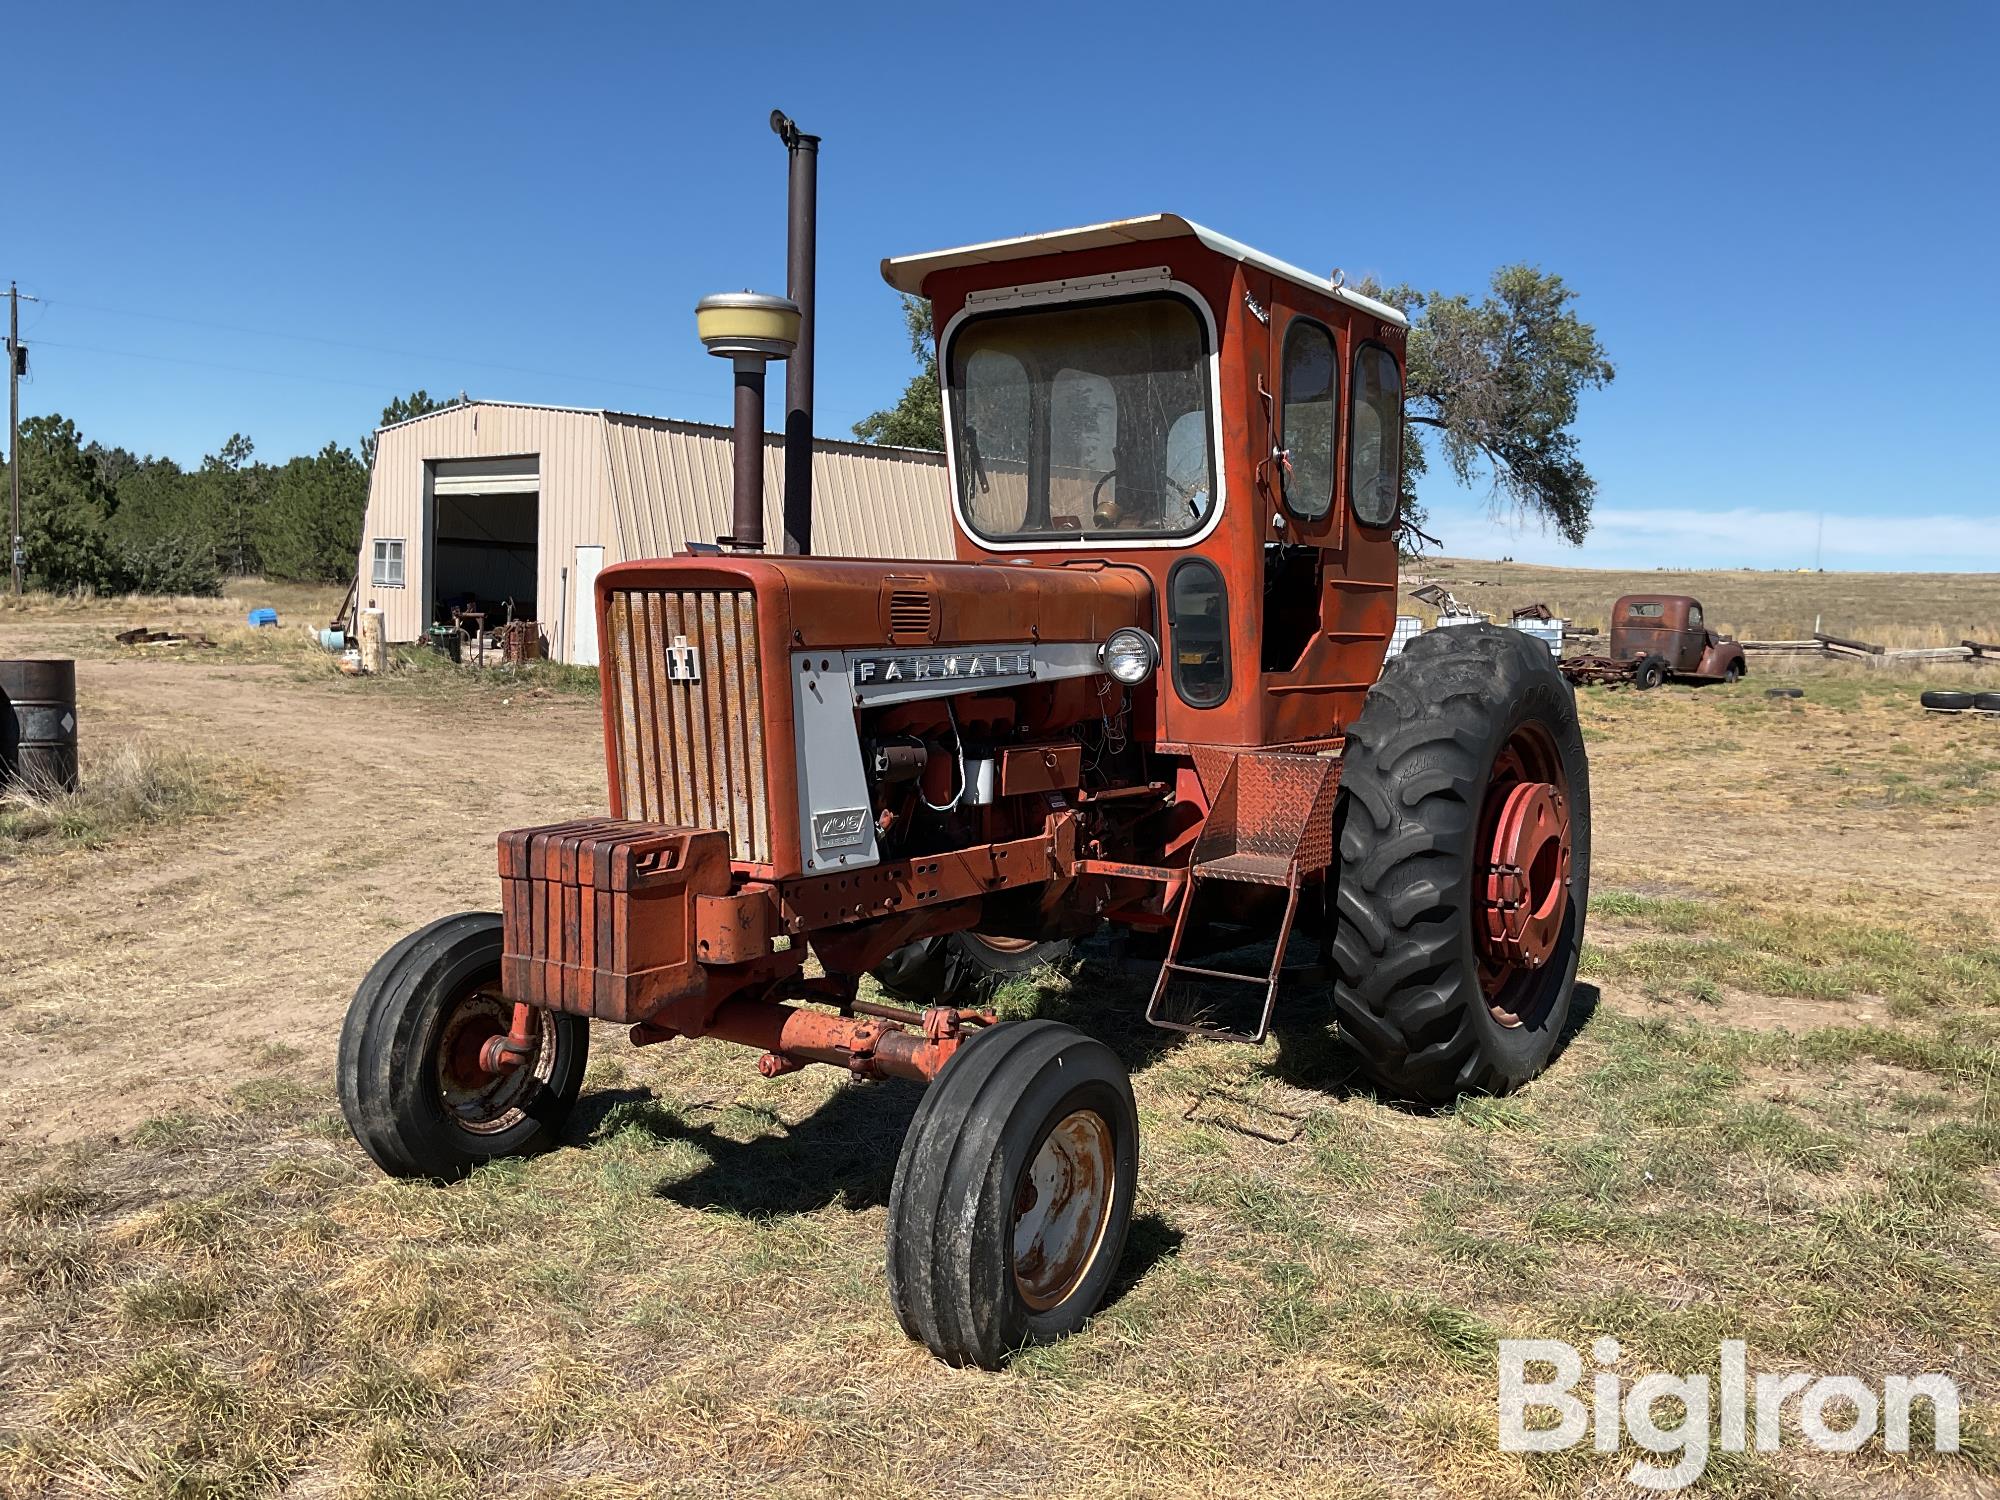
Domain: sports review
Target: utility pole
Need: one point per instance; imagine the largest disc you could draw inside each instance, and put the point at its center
(14, 363)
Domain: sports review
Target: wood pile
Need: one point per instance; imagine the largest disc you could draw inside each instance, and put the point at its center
(1835, 647)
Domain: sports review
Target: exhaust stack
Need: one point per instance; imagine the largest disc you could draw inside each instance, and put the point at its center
(750, 329)
(801, 257)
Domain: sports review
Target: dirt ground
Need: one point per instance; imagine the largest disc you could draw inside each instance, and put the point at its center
(1795, 975)
(140, 977)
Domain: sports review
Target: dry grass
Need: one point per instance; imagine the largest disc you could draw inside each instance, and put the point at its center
(296, 603)
(122, 789)
(1779, 1120)
(1886, 609)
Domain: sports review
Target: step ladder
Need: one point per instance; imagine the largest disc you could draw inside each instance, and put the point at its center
(1270, 823)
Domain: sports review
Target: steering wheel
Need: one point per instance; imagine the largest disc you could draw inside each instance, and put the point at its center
(1097, 490)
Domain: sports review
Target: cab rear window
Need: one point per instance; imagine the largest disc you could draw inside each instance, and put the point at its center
(1645, 611)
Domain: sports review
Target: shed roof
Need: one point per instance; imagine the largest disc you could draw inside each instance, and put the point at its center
(906, 273)
(820, 444)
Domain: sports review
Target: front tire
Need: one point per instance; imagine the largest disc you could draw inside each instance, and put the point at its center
(408, 1076)
(1013, 1193)
(1434, 986)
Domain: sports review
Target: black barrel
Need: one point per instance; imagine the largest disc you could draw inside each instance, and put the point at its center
(38, 724)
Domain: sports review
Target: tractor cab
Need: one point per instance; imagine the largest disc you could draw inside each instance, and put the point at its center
(1148, 395)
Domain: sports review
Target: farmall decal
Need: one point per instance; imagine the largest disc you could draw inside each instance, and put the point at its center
(945, 666)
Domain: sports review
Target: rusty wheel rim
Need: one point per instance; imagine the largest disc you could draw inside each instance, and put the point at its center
(1063, 1208)
(1002, 944)
(483, 1102)
(1521, 882)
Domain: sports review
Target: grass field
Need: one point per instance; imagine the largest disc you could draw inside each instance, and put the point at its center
(1779, 1120)
(1886, 609)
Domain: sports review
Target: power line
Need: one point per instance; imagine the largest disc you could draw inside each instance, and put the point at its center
(333, 343)
(209, 364)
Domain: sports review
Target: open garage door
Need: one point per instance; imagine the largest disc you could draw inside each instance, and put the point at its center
(485, 538)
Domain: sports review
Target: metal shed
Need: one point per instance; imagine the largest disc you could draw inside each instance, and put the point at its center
(495, 500)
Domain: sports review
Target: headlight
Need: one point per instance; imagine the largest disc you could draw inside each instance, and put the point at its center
(1129, 655)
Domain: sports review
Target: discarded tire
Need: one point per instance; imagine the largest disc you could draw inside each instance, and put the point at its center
(409, 1071)
(1465, 728)
(1784, 692)
(1013, 1193)
(1987, 702)
(1950, 701)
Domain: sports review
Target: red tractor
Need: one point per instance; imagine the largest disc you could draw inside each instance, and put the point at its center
(1145, 694)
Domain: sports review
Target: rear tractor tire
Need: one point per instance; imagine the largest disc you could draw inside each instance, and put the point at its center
(409, 1074)
(1013, 1193)
(1464, 866)
(959, 968)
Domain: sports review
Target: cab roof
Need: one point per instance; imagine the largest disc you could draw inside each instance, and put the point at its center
(907, 273)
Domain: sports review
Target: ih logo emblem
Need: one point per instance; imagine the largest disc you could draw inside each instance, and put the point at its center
(683, 661)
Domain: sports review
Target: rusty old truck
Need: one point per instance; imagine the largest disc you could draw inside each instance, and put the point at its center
(1655, 637)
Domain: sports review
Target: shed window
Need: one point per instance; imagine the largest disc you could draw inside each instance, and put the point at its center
(1198, 615)
(388, 569)
(1306, 431)
(1375, 436)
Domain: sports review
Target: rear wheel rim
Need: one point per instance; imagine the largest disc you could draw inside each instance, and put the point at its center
(1001, 944)
(472, 1098)
(1062, 1209)
(1522, 879)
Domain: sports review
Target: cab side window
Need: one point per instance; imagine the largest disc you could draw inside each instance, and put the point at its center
(1375, 436)
(1694, 617)
(1198, 619)
(1311, 395)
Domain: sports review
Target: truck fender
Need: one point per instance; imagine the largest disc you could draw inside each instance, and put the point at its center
(1720, 656)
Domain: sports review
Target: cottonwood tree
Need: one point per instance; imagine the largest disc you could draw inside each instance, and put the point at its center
(1497, 381)
(917, 420)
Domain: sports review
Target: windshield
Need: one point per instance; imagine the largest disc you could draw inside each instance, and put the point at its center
(1083, 421)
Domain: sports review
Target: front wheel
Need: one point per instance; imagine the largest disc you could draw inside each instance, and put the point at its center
(1464, 865)
(1013, 1193)
(410, 1075)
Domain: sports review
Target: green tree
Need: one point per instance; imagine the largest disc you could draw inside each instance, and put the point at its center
(917, 420)
(65, 510)
(418, 403)
(1498, 382)
(311, 520)
(157, 531)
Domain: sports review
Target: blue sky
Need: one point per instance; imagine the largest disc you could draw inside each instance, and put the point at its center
(1782, 219)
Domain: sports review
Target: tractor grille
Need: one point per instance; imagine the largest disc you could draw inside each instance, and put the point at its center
(911, 613)
(690, 749)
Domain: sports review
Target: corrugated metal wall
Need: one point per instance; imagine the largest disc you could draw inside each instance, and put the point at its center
(671, 481)
(575, 497)
(638, 487)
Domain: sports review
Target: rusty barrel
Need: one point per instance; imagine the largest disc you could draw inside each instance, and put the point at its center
(38, 723)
